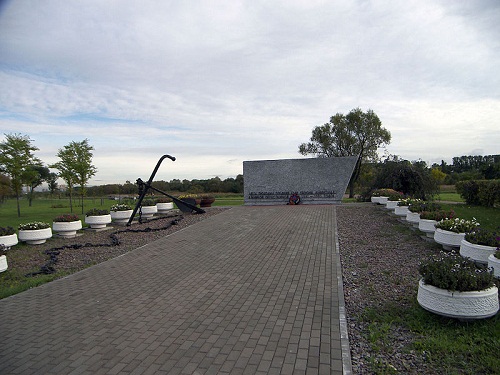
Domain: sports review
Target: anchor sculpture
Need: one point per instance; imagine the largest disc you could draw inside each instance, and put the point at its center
(145, 186)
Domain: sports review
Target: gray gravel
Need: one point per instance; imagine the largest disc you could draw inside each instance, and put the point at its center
(380, 257)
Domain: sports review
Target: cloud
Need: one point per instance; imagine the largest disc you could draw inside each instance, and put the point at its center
(217, 81)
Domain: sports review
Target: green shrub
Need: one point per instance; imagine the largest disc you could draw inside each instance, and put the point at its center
(120, 207)
(66, 218)
(437, 215)
(33, 225)
(481, 236)
(480, 192)
(457, 225)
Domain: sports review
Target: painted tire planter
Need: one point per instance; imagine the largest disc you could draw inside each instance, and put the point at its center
(121, 217)
(401, 210)
(382, 200)
(207, 202)
(67, 228)
(494, 263)
(448, 239)
(413, 218)
(391, 205)
(148, 211)
(98, 221)
(35, 236)
(3, 263)
(164, 207)
(428, 227)
(9, 241)
(461, 305)
(478, 253)
(375, 200)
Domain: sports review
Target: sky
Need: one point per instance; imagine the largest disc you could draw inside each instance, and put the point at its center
(215, 83)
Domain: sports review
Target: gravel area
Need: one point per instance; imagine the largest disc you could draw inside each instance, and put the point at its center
(380, 256)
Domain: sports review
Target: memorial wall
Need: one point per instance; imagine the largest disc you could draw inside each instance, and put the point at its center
(290, 181)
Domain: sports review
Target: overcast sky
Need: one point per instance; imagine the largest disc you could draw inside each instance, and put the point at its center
(215, 83)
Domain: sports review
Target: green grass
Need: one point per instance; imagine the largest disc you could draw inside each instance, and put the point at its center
(449, 196)
(452, 346)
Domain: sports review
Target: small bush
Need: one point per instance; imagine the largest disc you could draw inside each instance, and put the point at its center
(33, 226)
(457, 225)
(120, 207)
(437, 215)
(480, 192)
(148, 202)
(481, 236)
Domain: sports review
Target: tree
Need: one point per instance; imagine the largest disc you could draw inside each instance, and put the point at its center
(75, 166)
(33, 177)
(16, 156)
(52, 182)
(356, 134)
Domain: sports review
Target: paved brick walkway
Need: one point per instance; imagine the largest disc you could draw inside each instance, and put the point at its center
(254, 290)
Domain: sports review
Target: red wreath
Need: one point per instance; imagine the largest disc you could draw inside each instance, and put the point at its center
(294, 199)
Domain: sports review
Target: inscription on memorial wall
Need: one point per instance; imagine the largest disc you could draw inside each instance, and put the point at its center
(286, 194)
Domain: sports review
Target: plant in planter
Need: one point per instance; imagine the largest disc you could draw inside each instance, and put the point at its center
(66, 225)
(450, 232)
(120, 213)
(403, 205)
(381, 196)
(414, 209)
(34, 233)
(393, 199)
(97, 218)
(164, 204)
(494, 262)
(148, 208)
(429, 219)
(207, 200)
(8, 238)
(479, 244)
(456, 287)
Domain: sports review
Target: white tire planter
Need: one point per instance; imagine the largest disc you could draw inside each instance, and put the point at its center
(3, 263)
(401, 210)
(98, 221)
(461, 305)
(494, 262)
(9, 241)
(35, 236)
(428, 227)
(66, 229)
(121, 217)
(382, 200)
(164, 207)
(478, 253)
(413, 218)
(449, 240)
(391, 205)
(148, 211)
(375, 200)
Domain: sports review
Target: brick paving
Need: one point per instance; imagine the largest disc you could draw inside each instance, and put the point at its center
(253, 290)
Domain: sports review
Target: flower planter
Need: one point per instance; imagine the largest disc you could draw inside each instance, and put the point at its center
(66, 228)
(460, 305)
(207, 202)
(164, 207)
(121, 217)
(3, 263)
(98, 221)
(148, 212)
(382, 200)
(494, 262)
(375, 200)
(428, 227)
(391, 205)
(478, 253)
(449, 240)
(35, 236)
(401, 210)
(413, 218)
(9, 241)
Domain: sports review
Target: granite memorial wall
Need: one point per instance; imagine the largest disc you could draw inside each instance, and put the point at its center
(308, 181)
